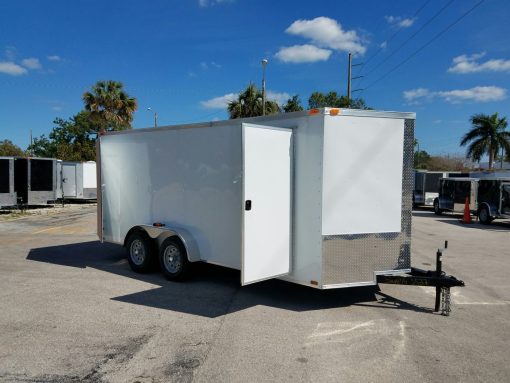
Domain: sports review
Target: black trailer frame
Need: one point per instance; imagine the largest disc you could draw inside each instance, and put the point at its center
(435, 278)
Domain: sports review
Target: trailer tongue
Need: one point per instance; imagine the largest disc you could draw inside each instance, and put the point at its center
(434, 278)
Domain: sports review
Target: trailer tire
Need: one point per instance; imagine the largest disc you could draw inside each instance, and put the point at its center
(484, 216)
(140, 252)
(173, 260)
(437, 210)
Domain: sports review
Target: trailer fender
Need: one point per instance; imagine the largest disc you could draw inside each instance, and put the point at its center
(491, 211)
(160, 233)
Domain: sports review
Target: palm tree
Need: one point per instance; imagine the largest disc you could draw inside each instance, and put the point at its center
(249, 104)
(487, 136)
(110, 107)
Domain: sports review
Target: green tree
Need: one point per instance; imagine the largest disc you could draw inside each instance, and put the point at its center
(110, 107)
(486, 136)
(249, 104)
(293, 105)
(9, 149)
(331, 99)
(421, 159)
(69, 140)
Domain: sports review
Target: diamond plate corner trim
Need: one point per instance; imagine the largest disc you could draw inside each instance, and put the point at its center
(355, 258)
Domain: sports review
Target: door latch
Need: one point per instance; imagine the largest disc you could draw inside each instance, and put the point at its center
(247, 205)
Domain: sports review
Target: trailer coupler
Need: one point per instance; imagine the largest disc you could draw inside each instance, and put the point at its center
(436, 278)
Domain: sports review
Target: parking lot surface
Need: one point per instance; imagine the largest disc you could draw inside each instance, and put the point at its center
(73, 311)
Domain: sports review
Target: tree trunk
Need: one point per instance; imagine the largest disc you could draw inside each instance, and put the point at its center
(491, 157)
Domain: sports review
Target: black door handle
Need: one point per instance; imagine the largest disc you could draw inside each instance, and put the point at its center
(247, 205)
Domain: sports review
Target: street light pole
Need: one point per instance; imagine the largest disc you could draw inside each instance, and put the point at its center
(155, 117)
(264, 64)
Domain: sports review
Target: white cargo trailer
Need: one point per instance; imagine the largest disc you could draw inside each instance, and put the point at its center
(7, 193)
(76, 180)
(321, 198)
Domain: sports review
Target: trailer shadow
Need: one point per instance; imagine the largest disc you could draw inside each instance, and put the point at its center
(213, 290)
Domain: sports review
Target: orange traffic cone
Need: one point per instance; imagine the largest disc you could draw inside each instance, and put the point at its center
(467, 212)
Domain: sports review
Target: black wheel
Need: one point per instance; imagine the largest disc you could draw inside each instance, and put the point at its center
(484, 216)
(174, 260)
(140, 252)
(437, 210)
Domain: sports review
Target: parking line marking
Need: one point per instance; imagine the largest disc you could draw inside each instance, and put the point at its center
(47, 229)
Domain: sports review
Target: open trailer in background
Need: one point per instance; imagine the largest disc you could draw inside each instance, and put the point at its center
(488, 197)
(321, 198)
(27, 181)
(7, 193)
(426, 185)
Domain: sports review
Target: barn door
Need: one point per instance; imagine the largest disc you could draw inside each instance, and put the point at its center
(267, 187)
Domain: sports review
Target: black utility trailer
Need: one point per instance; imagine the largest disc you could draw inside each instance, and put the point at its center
(453, 192)
(7, 193)
(35, 181)
(493, 199)
(426, 184)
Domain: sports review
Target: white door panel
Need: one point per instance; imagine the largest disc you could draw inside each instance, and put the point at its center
(69, 180)
(267, 157)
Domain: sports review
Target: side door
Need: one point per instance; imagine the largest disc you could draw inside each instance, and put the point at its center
(69, 180)
(267, 195)
(505, 199)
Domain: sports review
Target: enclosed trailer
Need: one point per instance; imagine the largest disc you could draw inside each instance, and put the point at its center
(35, 181)
(320, 198)
(76, 180)
(7, 193)
(426, 185)
(493, 199)
(453, 192)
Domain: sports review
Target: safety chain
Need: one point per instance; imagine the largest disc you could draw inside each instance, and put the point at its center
(445, 301)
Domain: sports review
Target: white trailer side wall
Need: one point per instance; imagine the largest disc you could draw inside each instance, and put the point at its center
(89, 175)
(189, 177)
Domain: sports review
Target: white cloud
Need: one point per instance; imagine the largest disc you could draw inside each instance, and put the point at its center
(469, 64)
(476, 94)
(220, 102)
(205, 65)
(302, 53)
(210, 3)
(31, 63)
(54, 58)
(384, 45)
(328, 33)
(10, 53)
(280, 97)
(56, 108)
(413, 94)
(11, 68)
(400, 21)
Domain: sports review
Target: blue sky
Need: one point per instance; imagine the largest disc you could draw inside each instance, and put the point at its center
(185, 59)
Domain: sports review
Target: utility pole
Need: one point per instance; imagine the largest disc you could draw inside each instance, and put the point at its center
(264, 63)
(155, 116)
(350, 78)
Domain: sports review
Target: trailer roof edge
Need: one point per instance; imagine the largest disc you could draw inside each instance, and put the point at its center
(272, 117)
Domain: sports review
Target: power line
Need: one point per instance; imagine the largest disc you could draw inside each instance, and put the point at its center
(394, 34)
(411, 37)
(427, 43)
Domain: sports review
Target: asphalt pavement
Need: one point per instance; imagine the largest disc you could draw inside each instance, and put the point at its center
(71, 310)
